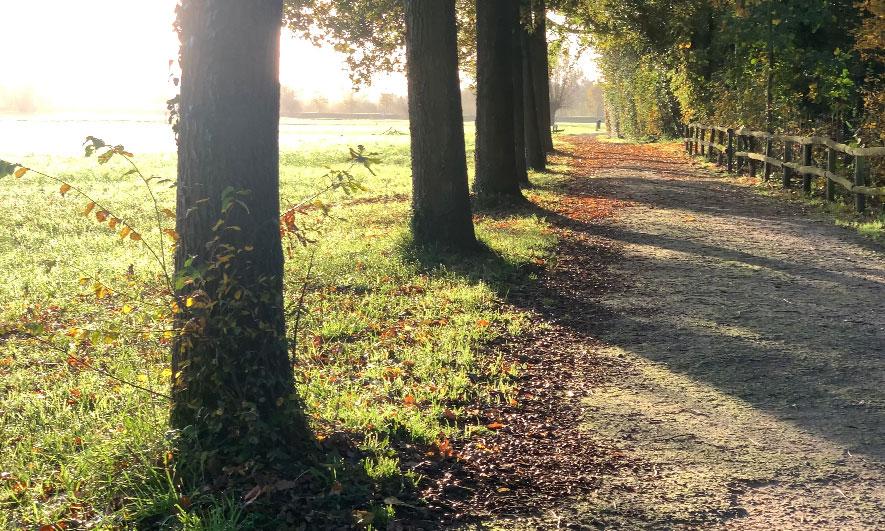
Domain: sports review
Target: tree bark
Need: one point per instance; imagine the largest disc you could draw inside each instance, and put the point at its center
(440, 196)
(233, 385)
(541, 72)
(495, 161)
(519, 102)
(536, 158)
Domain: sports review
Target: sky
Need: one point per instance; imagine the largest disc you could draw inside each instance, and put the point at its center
(112, 56)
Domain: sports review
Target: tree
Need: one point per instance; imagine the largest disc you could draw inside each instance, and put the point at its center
(519, 131)
(566, 76)
(233, 385)
(538, 55)
(536, 157)
(440, 198)
(496, 174)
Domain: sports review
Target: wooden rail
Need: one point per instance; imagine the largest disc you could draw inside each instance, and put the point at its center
(751, 149)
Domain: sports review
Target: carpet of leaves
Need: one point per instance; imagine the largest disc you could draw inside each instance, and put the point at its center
(536, 456)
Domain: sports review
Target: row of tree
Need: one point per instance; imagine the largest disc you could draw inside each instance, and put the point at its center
(232, 385)
(502, 43)
(784, 65)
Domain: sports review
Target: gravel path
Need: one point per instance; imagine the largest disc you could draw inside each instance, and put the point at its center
(750, 338)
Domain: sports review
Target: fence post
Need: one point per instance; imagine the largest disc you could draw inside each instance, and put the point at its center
(711, 155)
(702, 138)
(720, 139)
(694, 140)
(729, 153)
(751, 148)
(831, 167)
(807, 161)
(860, 179)
(769, 151)
(788, 157)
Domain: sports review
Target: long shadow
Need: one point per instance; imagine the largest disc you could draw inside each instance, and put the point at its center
(689, 195)
(823, 378)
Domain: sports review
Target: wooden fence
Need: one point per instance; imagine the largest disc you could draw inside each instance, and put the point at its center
(804, 156)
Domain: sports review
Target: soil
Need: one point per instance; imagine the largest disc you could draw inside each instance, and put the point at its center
(705, 358)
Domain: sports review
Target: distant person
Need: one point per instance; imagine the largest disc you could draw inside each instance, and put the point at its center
(598, 124)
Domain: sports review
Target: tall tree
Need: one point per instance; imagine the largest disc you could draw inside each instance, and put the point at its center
(440, 196)
(541, 71)
(536, 158)
(233, 385)
(519, 104)
(496, 174)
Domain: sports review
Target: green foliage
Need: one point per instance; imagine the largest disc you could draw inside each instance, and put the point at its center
(666, 62)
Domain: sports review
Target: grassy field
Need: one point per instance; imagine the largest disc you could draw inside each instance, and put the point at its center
(392, 345)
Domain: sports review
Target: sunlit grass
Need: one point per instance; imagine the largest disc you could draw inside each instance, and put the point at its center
(392, 346)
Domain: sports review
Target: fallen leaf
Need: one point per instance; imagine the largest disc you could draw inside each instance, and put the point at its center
(494, 426)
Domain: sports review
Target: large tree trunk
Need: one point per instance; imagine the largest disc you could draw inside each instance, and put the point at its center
(519, 104)
(495, 161)
(541, 72)
(440, 196)
(536, 158)
(233, 385)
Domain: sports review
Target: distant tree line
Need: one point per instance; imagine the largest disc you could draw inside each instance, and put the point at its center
(387, 103)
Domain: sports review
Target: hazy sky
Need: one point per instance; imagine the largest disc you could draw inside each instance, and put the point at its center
(114, 55)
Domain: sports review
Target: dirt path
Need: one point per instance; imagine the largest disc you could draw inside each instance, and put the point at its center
(744, 343)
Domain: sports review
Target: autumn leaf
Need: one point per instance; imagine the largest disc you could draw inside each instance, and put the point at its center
(494, 426)
(409, 400)
(169, 213)
(125, 232)
(64, 188)
(482, 323)
(19, 173)
(135, 236)
(101, 216)
(171, 233)
(126, 309)
(445, 448)
(113, 222)
(88, 208)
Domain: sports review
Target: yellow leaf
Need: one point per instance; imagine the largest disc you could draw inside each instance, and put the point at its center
(89, 208)
(169, 213)
(189, 302)
(135, 236)
(19, 173)
(65, 188)
(127, 309)
(125, 232)
(167, 373)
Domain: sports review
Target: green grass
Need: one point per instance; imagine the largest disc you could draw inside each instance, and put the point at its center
(392, 346)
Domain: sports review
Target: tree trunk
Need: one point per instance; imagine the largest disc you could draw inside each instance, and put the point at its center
(519, 104)
(541, 72)
(233, 385)
(440, 195)
(495, 161)
(536, 158)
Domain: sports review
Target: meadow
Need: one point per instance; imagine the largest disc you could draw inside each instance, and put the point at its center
(389, 342)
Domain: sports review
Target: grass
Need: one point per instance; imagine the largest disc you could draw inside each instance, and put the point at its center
(392, 348)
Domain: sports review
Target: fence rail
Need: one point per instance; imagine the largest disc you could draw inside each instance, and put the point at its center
(745, 148)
